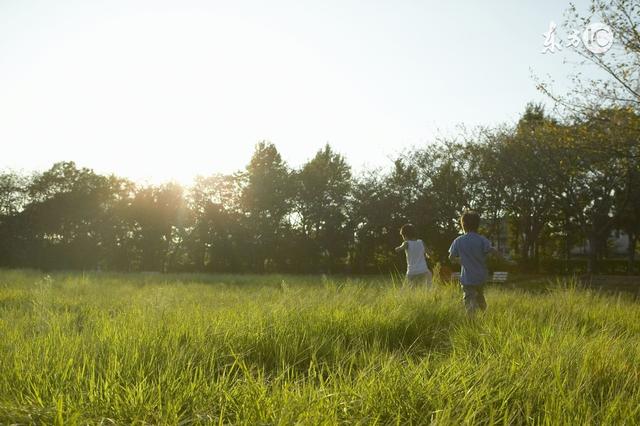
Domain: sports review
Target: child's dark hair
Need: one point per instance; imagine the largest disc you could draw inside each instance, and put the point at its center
(408, 232)
(470, 221)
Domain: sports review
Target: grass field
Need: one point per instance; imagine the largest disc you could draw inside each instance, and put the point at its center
(280, 349)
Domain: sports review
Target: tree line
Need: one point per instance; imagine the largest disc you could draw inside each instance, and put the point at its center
(542, 187)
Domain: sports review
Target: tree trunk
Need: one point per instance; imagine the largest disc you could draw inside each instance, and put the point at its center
(631, 253)
(593, 253)
(202, 258)
(567, 253)
(527, 248)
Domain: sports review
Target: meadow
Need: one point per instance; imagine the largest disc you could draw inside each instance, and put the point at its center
(222, 349)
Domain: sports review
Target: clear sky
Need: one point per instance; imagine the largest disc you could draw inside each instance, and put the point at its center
(156, 90)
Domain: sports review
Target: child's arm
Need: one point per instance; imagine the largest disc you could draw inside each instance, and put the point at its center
(490, 250)
(426, 254)
(401, 247)
(453, 251)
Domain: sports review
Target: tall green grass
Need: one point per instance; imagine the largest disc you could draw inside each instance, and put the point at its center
(280, 349)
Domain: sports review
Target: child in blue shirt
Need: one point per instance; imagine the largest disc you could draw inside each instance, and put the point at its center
(472, 250)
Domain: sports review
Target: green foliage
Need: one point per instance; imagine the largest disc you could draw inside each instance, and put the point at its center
(322, 203)
(276, 349)
(542, 187)
(266, 201)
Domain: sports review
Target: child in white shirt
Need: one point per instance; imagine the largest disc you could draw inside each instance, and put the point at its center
(418, 272)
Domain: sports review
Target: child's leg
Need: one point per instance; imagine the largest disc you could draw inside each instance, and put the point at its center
(471, 299)
(428, 279)
(410, 281)
(420, 280)
(482, 303)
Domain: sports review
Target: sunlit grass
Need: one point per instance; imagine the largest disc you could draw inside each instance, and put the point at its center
(280, 349)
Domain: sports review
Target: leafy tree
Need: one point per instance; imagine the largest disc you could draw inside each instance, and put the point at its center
(61, 226)
(322, 201)
(370, 218)
(13, 199)
(217, 238)
(529, 197)
(619, 84)
(156, 212)
(266, 201)
(446, 193)
(487, 179)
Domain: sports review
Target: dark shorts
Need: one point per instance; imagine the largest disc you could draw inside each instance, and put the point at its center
(473, 296)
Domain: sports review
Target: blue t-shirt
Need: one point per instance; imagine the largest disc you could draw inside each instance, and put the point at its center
(472, 249)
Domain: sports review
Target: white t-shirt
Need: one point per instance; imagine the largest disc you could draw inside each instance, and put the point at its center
(416, 262)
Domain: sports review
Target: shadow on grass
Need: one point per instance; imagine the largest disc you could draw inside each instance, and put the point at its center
(352, 345)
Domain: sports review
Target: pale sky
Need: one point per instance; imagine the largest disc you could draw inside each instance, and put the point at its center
(157, 90)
